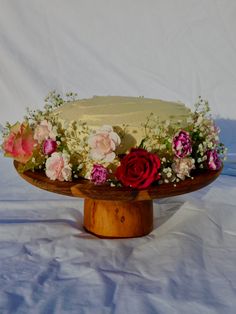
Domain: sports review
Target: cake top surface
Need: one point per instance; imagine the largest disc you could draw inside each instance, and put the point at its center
(119, 110)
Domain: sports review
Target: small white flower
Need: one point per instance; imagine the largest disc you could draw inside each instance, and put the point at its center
(169, 175)
(199, 119)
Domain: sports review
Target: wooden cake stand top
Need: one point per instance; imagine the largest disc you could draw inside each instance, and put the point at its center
(118, 212)
(85, 189)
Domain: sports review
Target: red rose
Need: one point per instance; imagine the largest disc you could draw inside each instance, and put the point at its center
(138, 169)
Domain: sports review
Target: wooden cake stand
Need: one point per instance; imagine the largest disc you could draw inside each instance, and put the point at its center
(118, 212)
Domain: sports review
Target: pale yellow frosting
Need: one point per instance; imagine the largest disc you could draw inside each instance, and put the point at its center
(118, 111)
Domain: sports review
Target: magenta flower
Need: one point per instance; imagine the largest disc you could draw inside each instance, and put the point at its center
(99, 174)
(181, 144)
(213, 160)
(49, 146)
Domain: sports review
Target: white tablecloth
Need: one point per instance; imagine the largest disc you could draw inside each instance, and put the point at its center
(49, 264)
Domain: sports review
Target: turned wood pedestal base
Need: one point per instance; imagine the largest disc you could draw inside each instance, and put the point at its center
(118, 212)
(118, 219)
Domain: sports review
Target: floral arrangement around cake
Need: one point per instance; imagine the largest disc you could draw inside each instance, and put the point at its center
(68, 150)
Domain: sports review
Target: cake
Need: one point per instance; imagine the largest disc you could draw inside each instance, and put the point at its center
(129, 141)
(119, 112)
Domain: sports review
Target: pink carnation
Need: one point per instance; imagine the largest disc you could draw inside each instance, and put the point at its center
(99, 174)
(44, 131)
(213, 160)
(103, 144)
(183, 166)
(19, 144)
(58, 167)
(181, 144)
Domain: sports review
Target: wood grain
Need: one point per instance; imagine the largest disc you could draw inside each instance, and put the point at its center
(118, 219)
(85, 189)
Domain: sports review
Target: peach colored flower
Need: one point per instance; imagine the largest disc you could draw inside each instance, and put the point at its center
(183, 166)
(58, 167)
(103, 143)
(43, 131)
(20, 143)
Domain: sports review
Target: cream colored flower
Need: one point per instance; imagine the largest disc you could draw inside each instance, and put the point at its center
(58, 167)
(103, 144)
(44, 131)
(183, 166)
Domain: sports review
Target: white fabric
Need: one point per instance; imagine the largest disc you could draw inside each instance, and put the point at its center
(49, 264)
(174, 50)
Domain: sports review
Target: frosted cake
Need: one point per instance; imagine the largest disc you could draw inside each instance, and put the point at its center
(123, 112)
(119, 141)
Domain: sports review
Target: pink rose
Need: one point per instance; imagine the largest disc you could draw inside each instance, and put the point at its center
(58, 167)
(181, 144)
(183, 166)
(213, 160)
(20, 143)
(44, 131)
(49, 146)
(103, 144)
